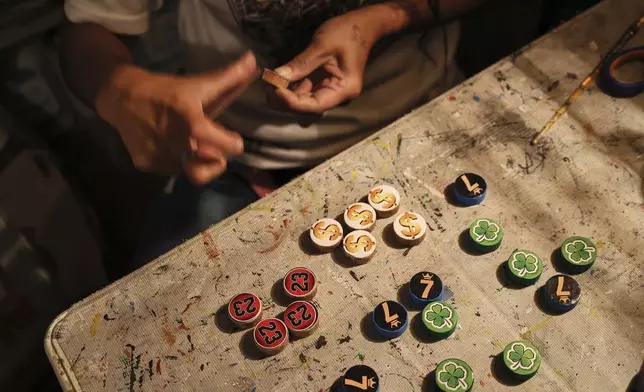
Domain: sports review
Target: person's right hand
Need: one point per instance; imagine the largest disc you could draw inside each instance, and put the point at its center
(164, 120)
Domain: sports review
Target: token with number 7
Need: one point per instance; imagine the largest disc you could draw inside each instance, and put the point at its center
(425, 287)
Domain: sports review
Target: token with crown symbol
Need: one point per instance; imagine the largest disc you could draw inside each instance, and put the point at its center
(561, 293)
(360, 378)
(425, 287)
(390, 319)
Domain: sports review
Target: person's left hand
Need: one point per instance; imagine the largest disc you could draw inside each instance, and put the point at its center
(330, 70)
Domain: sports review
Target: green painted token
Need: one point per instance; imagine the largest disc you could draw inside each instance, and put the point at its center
(579, 251)
(522, 359)
(486, 233)
(525, 267)
(454, 375)
(440, 318)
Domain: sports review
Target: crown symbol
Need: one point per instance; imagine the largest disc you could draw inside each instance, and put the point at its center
(477, 191)
(427, 276)
(372, 383)
(564, 300)
(394, 323)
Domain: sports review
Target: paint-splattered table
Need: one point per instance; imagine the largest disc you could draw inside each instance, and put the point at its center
(162, 327)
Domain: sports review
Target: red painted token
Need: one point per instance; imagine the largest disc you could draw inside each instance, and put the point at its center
(301, 318)
(271, 335)
(300, 283)
(245, 309)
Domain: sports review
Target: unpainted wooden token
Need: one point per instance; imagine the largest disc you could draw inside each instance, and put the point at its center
(410, 228)
(326, 234)
(275, 79)
(359, 245)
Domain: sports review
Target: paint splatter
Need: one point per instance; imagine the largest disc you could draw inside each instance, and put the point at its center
(360, 357)
(278, 237)
(92, 328)
(168, 335)
(452, 98)
(345, 339)
(527, 334)
(321, 342)
(448, 294)
(209, 245)
(476, 98)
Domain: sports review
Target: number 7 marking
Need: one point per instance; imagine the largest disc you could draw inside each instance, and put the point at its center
(363, 385)
(388, 317)
(428, 286)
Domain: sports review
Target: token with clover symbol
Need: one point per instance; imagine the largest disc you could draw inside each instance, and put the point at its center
(525, 267)
(454, 375)
(579, 252)
(485, 234)
(440, 318)
(522, 359)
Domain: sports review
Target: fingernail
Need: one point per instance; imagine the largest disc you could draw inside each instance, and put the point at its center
(284, 72)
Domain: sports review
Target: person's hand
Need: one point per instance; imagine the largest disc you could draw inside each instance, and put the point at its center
(165, 120)
(330, 70)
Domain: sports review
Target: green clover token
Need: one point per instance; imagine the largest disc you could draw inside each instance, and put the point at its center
(440, 318)
(486, 234)
(524, 267)
(579, 253)
(522, 359)
(454, 375)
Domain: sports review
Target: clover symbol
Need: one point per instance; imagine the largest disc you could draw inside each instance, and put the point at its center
(453, 376)
(486, 230)
(524, 263)
(521, 356)
(439, 316)
(578, 251)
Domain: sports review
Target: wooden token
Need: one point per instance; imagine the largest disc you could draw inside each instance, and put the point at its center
(440, 319)
(485, 234)
(326, 234)
(522, 359)
(300, 283)
(301, 318)
(245, 309)
(561, 292)
(275, 79)
(390, 319)
(524, 267)
(425, 287)
(384, 199)
(360, 378)
(359, 245)
(360, 216)
(454, 375)
(271, 335)
(579, 253)
(410, 228)
(470, 189)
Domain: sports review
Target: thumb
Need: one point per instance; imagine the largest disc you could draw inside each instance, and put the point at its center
(304, 63)
(241, 72)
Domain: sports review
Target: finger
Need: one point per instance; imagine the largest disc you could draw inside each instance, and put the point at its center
(304, 87)
(214, 84)
(209, 133)
(201, 172)
(305, 63)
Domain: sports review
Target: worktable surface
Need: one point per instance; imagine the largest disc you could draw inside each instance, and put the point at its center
(164, 326)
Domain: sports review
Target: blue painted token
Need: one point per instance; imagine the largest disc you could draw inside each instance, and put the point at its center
(425, 287)
(561, 293)
(390, 319)
(470, 189)
(360, 378)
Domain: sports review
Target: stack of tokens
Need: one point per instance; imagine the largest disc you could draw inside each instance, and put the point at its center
(454, 375)
(561, 293)
(359, 246)
(300, 283)
(360, 216)
(485, 235)
(522, 359)
(326, 234)
(425, 287)
(440, 319)
(301, 318)
(579, 254)
(245, 310)
(470, 189)
(410, 228)
(360, 378)
(524, 267)
(390, 319)
(271, 336)
(385, 200)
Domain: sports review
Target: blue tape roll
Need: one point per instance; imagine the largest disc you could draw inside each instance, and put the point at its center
(610, 85)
